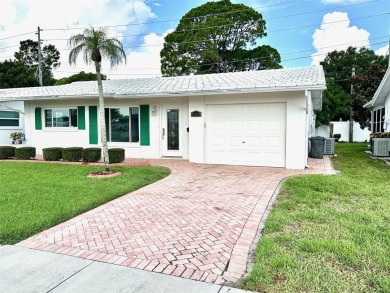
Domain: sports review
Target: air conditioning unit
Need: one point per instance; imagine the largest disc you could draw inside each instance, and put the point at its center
(329, 146)
(381, 147)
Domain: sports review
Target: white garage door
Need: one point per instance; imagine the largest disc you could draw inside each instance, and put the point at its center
(246, 134)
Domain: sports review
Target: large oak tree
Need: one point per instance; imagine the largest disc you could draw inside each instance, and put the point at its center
(369, 69)
(218, 37)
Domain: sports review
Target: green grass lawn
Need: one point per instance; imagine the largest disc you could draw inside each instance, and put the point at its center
(36, 196)
(329, 233)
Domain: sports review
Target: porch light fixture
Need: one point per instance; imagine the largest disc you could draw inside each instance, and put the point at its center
(154, 110)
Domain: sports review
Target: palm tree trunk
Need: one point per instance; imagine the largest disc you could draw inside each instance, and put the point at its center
(102, 118)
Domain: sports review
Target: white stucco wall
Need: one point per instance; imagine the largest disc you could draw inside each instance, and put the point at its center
(359, 134)
(196, 134)
(68, 137)
(5, 131)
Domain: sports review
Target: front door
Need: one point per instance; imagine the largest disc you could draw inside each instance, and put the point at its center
(171, 131)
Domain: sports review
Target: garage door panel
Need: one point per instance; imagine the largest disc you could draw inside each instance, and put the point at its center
(235, 127)
(254, 111)
(273, 142)
(235, 111)
(251, 127)
(234, 142)
(246, 134)
(272, 157)
(269, 127)
(219, 141)
(253, 142)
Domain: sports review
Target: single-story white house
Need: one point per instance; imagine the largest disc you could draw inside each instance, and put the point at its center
(380, 106)
(254, 118)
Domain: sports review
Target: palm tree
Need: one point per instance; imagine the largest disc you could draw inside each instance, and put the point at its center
(94, 44)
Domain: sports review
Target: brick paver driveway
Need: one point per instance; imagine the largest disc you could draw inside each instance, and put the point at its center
(197, 223)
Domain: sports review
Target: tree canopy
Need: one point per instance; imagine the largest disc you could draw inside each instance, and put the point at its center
(369, 68)
(14, 74)
(28, 55)
(81, 76)
(218, 37)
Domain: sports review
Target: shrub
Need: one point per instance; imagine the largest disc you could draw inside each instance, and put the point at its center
(25, 153)
(380, 135)
(92, 154)
(7, 152)
(73, 154)
(337, 136)
(116, 155)
(52, 154)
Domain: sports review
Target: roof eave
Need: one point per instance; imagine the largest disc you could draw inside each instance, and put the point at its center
(175, 94)
(223, 91)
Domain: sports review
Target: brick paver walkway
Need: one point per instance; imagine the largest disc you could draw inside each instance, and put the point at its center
(197, 223)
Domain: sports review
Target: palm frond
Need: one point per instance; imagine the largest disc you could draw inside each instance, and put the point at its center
(95, 45)
(74, 53)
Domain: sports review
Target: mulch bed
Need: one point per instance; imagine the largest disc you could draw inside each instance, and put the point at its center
(104, 174)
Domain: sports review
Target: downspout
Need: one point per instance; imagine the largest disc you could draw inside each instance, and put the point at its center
(307, 96)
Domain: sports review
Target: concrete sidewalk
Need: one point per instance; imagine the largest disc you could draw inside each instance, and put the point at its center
(28, 270)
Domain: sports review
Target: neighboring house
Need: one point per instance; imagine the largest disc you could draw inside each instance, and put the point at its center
(11, 119)
(380, 106)
(255, 118)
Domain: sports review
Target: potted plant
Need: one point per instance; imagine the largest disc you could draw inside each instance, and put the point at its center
(17, 137)
(337, 136)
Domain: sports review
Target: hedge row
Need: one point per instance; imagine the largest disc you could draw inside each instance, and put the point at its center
(73, 154)
(22, 153)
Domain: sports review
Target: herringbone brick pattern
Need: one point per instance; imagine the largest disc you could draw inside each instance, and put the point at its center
(197, 223)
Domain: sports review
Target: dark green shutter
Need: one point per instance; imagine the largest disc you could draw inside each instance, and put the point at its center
(93, 125)
(38, 118)
(145, 127)
(81, 117)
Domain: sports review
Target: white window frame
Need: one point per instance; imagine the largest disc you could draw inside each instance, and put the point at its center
(377, 123)
(11, 127)
(113, 143)
(60, 127)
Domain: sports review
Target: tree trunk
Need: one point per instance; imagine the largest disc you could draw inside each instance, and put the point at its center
(102, 118)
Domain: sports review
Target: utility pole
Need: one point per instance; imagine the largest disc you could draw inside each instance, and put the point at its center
(351, 109)
(39, 57)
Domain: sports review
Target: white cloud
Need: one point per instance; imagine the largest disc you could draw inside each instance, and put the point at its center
(143, 62)
(336, 33)
(383, 51)
(18, 17)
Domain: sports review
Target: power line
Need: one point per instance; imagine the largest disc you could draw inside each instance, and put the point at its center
(282, 54)
(17, 36)
(234, 61)
(220, 26)
(154, 22)
(169, 20)
(280, 30)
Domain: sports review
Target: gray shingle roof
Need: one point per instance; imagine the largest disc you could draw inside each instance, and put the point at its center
(264, 80)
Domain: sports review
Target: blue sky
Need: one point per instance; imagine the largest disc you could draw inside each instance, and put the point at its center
(302, 31)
